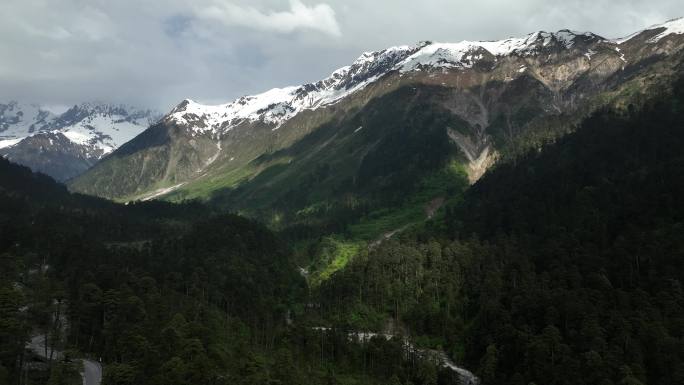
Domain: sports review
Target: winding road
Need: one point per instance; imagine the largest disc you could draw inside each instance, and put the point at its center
(92, 373)
(92, 370)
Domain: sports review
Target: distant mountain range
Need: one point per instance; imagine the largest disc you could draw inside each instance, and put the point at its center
(65, 145)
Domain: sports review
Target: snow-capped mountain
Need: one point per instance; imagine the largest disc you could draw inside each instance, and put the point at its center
(281, 104)
(101, 127)
(508, 96)
(19, 121)
(63, 145)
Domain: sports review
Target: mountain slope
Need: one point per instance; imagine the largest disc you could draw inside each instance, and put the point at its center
(602, 242)
(505, 96)
(561, 267)
(66, 145)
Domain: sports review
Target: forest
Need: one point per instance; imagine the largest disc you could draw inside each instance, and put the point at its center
(162, 294)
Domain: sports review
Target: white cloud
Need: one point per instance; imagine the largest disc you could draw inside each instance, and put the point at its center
(319, 17)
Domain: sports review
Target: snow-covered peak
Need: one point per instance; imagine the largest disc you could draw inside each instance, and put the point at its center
(85, 111)
(445, 55)
(278, 105)
(20, 120)
(204, 117)
(105, 127)
(565, 38)
(99, 127)
(674, 26)
(467, 53)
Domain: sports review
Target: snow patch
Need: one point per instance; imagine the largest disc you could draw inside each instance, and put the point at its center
(674, 26)
(622, 56)
(589, 54)
(9, 142)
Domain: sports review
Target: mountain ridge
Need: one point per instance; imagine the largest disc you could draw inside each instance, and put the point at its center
(424, 53)
(510, 95)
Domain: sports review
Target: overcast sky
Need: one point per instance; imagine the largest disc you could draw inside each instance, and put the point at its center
(154, 53)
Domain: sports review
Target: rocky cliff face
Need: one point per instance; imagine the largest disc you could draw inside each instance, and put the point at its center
(501, 98)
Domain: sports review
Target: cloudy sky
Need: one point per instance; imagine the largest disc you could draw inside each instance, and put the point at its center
(154, 53)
